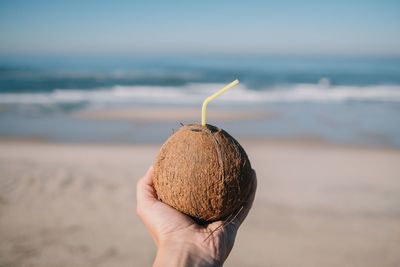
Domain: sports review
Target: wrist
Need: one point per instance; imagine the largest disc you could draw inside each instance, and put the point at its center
(183, 254)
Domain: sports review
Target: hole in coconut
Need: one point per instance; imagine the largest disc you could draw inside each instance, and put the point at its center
(213, 129)
(195, 130)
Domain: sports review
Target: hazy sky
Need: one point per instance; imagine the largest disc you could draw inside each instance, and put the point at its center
(200, 27)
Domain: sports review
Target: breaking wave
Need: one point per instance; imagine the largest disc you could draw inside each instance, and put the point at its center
(195, 93)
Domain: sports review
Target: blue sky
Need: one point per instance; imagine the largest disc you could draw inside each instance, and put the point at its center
(200, 27)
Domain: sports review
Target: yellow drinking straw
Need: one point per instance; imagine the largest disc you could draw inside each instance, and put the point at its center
(208, 99)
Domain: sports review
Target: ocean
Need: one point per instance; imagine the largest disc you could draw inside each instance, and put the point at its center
(352, 100)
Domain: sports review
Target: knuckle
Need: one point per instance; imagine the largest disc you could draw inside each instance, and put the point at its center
(139, 185)
(138, 211)
(139, 182)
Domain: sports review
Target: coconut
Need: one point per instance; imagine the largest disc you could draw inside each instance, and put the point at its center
(203, 172)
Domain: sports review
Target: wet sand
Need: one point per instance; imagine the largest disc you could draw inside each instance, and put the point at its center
(185, 115)
(317, 204)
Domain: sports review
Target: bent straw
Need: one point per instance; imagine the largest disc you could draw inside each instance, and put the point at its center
(208, 99)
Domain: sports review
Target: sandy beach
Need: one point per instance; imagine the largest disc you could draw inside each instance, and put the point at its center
(318, 204)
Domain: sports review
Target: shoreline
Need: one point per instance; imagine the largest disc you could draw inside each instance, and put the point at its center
(172, 114)
(154, 125)
(285, 141)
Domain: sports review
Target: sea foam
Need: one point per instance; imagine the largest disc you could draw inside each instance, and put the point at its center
(194, 93)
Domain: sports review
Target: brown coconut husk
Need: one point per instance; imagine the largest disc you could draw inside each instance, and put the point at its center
(203, 172)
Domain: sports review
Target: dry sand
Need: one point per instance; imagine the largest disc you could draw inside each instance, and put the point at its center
(317, 205)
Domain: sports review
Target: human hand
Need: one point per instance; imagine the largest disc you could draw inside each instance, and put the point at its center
(179, 239)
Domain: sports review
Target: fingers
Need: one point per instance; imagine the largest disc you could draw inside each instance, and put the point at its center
(158, 217)
(145, 197)
(145, 193)
(249, 203)
(229, 230)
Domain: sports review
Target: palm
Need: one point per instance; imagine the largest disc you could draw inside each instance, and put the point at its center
(165, 222)
(215, 237)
